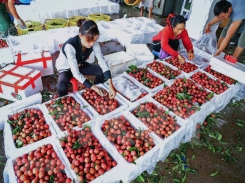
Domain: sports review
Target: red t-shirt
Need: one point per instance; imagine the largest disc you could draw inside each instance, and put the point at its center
(167, 33)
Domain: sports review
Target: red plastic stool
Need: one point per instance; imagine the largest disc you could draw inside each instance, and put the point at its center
(74, 83)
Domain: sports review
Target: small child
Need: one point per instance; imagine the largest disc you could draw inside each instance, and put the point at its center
(149, 4)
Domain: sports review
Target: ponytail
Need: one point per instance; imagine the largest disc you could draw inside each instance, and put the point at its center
(172, 20)
(88, 28)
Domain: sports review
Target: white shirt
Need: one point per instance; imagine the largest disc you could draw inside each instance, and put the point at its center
(63, 63)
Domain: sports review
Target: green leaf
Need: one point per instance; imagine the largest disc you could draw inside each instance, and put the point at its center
(166, 112)
(85, 106)
(146, 80)
(212, 135)
(123, 154)
(193, 171)
(193, 156)
(180, 96)
(210, 95)
(54, 112)
(16, 130)
(106, 132)
(184, 178)
(213, 149)
(127, 71)
(51, 179)
(132, 149)
(176, 180)
(219, 137)
(10, 122)
(175, 167)
(87, 126)
(19, 143)
(133, 67)
(214, 174)
(141, 178)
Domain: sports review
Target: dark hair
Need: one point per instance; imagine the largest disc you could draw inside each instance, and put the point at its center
(221, 7)
(173, 20)
(88, 28)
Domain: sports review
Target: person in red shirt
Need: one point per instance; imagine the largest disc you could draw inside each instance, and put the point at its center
(168, 39)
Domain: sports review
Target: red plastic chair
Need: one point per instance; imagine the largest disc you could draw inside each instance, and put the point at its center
(74, 83)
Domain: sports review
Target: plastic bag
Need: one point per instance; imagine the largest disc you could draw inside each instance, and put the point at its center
(207, 43)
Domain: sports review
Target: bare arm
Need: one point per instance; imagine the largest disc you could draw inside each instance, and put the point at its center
(232, 29)
(12, 9)
(212, 22)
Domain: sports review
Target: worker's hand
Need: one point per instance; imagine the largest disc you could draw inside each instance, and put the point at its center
(112, 90)
(207, 29)
(181, 59)
(98, 90)
(190, 56)
(21, 23)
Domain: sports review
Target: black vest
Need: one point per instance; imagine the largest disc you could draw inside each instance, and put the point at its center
(81, 56)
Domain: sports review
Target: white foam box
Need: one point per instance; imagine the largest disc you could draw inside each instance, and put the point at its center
(166, 144)
(147, 162)
(83, 107)
(6, 54)
(34, 99)
(41, 61)
(234, 70)
(119, 62)
(141, 52)
(9, 173)
(111, 176)
(17, 83)
(122, 104)
(9, 143)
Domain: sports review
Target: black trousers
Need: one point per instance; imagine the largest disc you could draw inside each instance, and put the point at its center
(85, 69)
(174, 44)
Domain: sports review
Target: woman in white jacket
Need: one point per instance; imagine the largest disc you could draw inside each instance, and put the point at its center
(72, 60)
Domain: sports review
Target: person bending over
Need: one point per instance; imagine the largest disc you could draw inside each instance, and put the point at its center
(168, 39)
(72, 60)
(235, 10)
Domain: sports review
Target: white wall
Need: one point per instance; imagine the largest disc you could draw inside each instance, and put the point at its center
(201, 14)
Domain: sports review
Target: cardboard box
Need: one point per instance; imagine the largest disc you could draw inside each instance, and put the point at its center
(119, 62)
(17, 83)
(141, 52)
(41, 61)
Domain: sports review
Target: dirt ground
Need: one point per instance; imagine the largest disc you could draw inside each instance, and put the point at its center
(201, 164)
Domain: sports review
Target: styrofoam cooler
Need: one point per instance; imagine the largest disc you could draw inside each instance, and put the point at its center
(6, 54)
(17, 83)
(129, 35)
(233, 70)
(9, 145)
(122, 105)
(169, 82)
(119, 62)
(147, 162)
(9, 174)
(186, 74)
(128, 101)
(58, 131)
(36, 61)
(34, 99)
(141, 52)
(157, 88)
(111, 176)
(167, 144)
